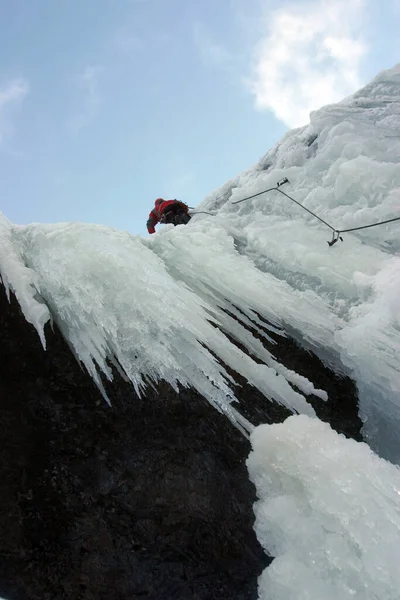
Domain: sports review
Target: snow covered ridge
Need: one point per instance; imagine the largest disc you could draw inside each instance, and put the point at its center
(328, 510)
(345, 167)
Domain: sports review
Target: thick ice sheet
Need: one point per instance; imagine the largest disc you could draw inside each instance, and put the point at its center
(345, 166)
(151, 306)
(328, 510)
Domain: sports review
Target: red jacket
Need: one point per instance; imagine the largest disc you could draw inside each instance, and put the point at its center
(157, 212)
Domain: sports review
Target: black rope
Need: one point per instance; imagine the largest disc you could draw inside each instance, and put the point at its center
(372, 225)
(259, 194)
(309, 211)
(202, 212)
(336, 232)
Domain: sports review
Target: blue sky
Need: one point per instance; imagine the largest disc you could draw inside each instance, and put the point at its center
(107, 104)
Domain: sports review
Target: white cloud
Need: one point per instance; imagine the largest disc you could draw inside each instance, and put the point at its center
(11, 95)
(310, 57)
(87, 84)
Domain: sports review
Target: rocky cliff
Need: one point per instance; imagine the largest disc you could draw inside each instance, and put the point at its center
(148, 498)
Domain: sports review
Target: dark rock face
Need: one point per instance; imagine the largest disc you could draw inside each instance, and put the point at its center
(147, 499)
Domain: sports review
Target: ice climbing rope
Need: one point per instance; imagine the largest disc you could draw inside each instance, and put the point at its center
(336, 233)
(202, 212)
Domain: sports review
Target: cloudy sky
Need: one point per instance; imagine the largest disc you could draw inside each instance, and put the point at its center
(107, 104)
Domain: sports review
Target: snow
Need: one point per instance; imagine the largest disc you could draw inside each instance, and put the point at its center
(150, 308)
(179, 306)
(328, 510)
(344, 166)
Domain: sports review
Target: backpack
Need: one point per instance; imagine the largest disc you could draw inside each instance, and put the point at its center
(182, 204)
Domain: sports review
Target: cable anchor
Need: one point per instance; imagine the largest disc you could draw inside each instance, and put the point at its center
(282, 181)
(335, 237)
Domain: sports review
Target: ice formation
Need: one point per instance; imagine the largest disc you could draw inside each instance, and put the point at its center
(328, 510)
(16, 275)
(150, 306)
(176, 305)
(344, 166)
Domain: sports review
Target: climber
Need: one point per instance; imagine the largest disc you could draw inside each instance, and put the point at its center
(168, 211)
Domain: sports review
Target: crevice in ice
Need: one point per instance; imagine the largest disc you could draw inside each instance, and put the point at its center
(312, 139)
